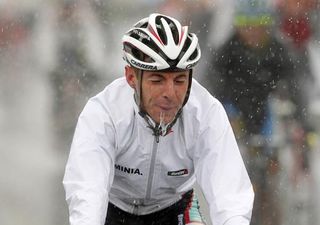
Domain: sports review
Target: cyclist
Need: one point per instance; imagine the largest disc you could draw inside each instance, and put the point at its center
(140, 144)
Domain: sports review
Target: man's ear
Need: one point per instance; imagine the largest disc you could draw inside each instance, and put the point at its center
(131, 76)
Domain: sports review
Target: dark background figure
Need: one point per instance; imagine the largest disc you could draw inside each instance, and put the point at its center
(74, 76)
(297, 22)
(250, 67)
(298, 29)
(71, 53)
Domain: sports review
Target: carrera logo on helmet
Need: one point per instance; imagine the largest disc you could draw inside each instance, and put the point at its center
(141, 34)
(143, 66)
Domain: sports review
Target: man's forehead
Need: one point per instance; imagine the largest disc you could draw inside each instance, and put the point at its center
(167, 74)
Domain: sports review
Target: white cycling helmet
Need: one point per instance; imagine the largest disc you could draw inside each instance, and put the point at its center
(158, 43)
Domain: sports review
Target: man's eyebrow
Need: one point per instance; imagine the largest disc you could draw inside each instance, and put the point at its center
(156, 75)
(182, 75)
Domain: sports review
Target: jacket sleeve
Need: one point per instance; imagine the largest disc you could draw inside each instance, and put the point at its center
(221, 173)
(89, 171)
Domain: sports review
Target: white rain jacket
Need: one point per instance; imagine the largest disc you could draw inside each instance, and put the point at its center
(115, 157)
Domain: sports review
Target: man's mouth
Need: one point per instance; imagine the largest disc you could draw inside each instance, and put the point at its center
(165, 108)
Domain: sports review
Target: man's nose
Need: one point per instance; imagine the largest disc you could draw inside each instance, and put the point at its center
(168, 90)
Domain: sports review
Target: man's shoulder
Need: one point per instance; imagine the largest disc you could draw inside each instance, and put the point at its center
(117, 84)
(116, 89)
(200, 100)
(202, 111)
(200, 94)
(115, 96)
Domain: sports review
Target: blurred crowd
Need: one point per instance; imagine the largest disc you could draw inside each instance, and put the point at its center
(260, 58)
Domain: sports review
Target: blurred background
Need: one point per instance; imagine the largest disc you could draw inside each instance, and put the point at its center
(261, 58)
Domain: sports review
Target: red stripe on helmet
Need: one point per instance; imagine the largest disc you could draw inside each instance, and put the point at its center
(155, 34)
(182, 34)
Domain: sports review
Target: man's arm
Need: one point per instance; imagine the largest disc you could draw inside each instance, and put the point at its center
(89, 170)
(221, 173)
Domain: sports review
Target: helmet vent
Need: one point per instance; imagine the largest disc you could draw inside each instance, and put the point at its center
(136, 53)
(185, 47)
(175, 32)
(145, 25)
(194, 54)
(162, 35)
(173, 28)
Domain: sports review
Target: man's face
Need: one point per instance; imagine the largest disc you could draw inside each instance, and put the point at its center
(254, 36)
(163, 93)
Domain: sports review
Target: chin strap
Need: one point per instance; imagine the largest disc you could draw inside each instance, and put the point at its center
(156, 128)
(159, 129)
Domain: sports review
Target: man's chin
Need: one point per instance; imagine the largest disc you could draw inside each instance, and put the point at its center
(165, 119)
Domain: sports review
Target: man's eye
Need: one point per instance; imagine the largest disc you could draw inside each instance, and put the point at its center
(155, 81)
(180, 81)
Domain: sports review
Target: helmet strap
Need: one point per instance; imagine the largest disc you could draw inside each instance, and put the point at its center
(138, 90)
(189, 88)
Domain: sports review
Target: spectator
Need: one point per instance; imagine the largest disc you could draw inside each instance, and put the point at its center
(75, 59)
(248, 69)
(298, 27)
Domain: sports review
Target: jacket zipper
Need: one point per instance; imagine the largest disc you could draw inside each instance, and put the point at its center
(152, 166)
